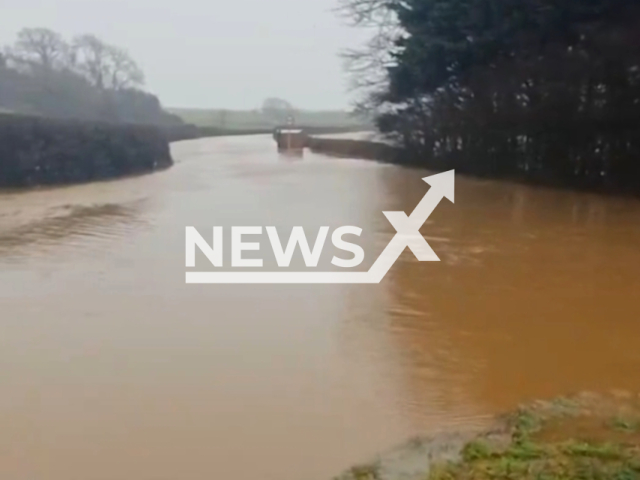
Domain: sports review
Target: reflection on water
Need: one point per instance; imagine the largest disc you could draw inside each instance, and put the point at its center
(112, 368)
(533, 298)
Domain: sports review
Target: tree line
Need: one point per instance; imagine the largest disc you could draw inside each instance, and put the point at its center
(547, 90)
(42, 73)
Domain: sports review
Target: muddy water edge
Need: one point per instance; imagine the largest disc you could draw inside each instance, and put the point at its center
(113, 368)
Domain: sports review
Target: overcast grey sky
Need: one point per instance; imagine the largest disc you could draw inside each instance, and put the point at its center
(211, 53)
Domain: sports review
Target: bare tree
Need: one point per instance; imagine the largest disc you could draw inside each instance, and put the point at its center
(105, 66)
(39, 48)
(367, 65)
(366, 13)
(124, 71)
(90, 58)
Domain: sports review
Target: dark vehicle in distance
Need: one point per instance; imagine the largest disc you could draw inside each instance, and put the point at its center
(290, 139)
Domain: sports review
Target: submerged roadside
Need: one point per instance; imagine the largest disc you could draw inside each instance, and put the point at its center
(378, 149)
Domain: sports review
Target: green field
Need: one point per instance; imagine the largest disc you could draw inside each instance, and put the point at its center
(255, 119)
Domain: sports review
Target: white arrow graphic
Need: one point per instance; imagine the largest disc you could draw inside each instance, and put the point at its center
(408, 235)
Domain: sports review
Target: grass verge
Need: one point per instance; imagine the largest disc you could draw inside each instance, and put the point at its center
(586, 438)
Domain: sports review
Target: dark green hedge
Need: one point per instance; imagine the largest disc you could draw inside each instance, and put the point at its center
(41, 151)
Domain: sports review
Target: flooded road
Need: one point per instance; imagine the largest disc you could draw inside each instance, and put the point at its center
(111, 368)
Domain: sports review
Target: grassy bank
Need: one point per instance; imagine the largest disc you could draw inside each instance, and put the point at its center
(190, 131)
(201, 123)
(586, 437)
(255, 120)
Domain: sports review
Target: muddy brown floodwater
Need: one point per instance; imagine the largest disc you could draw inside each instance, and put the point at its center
(111, 368)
